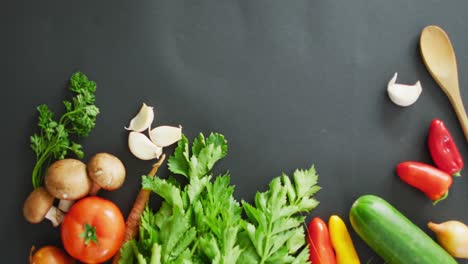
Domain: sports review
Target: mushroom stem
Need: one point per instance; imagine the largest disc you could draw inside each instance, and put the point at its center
(94, 189)
(64, 205)
(55, 216)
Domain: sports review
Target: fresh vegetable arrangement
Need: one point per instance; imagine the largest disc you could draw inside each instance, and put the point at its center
(92, 229)
(200, 221)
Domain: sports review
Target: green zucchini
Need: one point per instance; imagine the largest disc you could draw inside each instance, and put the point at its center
(393, 236)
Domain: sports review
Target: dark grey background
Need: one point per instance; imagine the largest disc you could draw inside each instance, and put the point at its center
(289, 83)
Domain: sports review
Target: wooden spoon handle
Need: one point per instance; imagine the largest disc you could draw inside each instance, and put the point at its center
(457, 104)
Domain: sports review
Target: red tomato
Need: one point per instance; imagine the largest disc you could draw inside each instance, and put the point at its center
(93, 230)
(50, 255)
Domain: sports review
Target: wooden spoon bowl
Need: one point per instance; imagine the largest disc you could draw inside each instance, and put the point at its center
(439, 58)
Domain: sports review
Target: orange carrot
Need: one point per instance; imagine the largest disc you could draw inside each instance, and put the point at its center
(133, 220)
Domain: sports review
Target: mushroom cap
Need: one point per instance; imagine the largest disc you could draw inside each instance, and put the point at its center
(106, 170)
(67, 179)
(37, 205)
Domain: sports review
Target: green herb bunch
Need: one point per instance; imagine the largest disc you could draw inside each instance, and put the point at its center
(53, 141)
(201, 222)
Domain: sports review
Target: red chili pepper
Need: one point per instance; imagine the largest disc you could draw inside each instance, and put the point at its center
(430, 180)
(320, 246)
(443, 150)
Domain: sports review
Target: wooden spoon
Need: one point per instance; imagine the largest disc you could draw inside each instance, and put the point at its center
(439, 57)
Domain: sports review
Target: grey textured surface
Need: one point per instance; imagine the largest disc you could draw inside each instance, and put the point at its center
(289, 83)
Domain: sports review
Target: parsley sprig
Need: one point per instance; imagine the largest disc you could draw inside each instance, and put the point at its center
(53, 140)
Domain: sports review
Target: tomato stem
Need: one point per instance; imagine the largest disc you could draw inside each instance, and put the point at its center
(89, 234)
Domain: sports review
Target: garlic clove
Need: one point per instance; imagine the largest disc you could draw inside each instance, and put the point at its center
(402, 94)
(164, 136)
(142, 147)
(142, 120)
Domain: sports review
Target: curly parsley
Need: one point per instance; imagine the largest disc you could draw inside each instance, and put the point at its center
(53, 141)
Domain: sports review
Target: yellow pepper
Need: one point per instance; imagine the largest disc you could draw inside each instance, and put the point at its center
(341, 241)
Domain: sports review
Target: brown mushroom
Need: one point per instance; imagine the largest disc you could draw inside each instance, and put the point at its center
(106, 171)
(40, 205)
(68, 181)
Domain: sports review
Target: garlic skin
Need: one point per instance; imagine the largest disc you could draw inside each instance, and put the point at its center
(142, 120)
(142, 147)
(402, 94)
(452, 236)
(164, 136)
